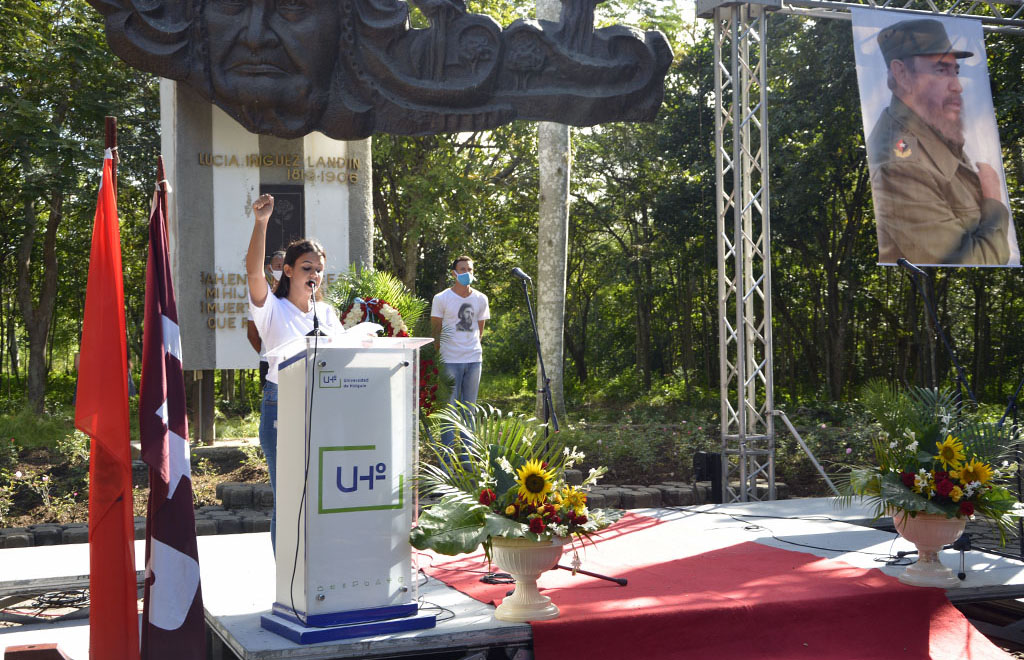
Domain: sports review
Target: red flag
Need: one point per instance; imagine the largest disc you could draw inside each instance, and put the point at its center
(102, 412)
(172, 617)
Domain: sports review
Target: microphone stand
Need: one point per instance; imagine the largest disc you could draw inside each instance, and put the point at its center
(549, 408)
(316, 331)
(545, 391)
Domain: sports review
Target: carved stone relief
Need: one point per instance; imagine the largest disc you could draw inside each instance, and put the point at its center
(352, 68)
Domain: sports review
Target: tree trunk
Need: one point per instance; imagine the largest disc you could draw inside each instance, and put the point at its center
(552, 247)
(37, 316)
(643, 323)
(12, 344)
(552, 252)
(577, 345)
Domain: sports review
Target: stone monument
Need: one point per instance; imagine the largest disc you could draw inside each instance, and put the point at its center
(352, 68)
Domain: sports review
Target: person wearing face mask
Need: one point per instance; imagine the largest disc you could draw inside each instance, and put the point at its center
(272, 269)
(457, 318)
(283, 315)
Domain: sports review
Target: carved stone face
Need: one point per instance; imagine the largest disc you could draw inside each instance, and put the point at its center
(272, 60)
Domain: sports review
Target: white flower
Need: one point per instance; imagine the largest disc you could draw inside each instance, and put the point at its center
(505, 465)
(353, 317)
(572, 456)
(912, 446)
(17, 475)
(892, 445)
(558, 530)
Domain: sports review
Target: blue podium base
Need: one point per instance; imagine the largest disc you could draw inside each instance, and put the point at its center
(345, 625)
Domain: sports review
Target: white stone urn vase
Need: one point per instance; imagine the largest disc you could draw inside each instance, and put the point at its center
(526, 560)
(929, 532)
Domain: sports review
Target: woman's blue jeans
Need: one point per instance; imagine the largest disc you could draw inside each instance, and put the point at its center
(268, 441)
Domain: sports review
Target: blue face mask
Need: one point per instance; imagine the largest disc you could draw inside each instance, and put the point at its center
(465, 279)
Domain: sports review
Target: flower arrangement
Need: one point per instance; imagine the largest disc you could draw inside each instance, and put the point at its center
(429, 376)
(500, 479)
(378, 311)
(381, 297)
(933, 456)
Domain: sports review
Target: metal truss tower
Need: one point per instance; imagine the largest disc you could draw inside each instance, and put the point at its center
(743, 215)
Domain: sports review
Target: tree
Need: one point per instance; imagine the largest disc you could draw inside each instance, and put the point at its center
(58, 82)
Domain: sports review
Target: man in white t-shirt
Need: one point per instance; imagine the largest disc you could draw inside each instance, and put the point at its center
(457, 318)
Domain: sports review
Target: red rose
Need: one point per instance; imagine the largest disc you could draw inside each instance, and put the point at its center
(967, 508)
(487, 496)
(940, 475)
(580, 520)
(944, 487)
(907, 478)
(537, 526)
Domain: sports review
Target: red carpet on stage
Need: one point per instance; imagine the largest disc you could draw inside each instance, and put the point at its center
(741, 602)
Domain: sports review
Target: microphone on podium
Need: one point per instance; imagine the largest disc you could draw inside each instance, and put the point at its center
(316, 331)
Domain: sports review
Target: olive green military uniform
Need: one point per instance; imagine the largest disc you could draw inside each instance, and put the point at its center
(928, 203)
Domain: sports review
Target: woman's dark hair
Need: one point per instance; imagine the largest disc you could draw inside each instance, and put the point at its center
(295, 250)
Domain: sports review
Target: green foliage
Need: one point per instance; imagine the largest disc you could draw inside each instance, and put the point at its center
(30, 430)
(8, 453)
(933, 456)
(74, 448)
(57, 506)
(253, 458)
(382, 285)
(485, 491)
(246, 426)
(6, 496)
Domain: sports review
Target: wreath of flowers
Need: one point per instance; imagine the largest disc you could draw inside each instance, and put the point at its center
(376, 311)
(379, 311)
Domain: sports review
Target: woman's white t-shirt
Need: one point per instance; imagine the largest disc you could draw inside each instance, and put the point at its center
(279, 321)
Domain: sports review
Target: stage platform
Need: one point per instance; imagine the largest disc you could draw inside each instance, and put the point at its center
(237, 574)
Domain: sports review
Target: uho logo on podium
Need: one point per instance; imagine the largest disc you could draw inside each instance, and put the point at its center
(357, 478)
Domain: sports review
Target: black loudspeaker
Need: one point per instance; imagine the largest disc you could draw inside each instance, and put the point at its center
(707, 466)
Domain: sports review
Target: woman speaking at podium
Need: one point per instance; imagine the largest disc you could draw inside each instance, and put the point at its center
(285, 314)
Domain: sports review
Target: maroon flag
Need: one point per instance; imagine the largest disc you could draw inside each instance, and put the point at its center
(172, 615)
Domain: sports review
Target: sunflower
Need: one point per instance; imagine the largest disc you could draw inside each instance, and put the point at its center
(534, 482)
(573, 498)
(951, 452)
(975, 470)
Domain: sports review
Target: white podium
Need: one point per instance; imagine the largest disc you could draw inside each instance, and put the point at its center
(346, 443)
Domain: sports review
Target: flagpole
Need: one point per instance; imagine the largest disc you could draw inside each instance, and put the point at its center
(110, 126)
